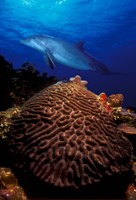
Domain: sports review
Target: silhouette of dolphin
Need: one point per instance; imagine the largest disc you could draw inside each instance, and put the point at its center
(59, 51)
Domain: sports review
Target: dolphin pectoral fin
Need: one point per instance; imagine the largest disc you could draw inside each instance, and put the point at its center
(49, 61)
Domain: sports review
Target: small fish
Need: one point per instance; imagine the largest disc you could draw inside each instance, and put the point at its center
(58, 51)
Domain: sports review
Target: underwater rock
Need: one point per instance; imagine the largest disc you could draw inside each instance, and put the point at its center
(65, 137)
(9, 188)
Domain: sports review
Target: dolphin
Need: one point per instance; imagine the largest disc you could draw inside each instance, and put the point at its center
(58, 51)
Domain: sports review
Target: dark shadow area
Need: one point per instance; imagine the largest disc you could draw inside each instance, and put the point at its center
(18, 85)
(111, 187)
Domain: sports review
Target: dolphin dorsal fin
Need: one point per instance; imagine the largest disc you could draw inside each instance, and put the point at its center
(80, 45)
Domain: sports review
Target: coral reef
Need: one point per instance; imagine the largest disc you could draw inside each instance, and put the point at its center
(18, 85)
(127, 124)
(115, 100)
(125, 119)
(9, 188)
(131, 192)
(6, 121)
(66, 137)
(123, 116)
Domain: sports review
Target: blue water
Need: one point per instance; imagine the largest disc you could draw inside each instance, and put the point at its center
(108, 28)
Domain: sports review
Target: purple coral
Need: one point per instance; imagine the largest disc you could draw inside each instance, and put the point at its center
(65, 138)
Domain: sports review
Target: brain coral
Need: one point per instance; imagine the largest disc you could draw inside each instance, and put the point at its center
(65, 137)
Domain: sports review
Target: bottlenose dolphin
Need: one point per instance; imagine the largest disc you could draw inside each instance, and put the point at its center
(59, 51)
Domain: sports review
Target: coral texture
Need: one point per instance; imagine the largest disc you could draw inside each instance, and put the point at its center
(65, 137)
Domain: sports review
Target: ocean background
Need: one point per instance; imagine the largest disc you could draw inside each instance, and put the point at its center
(108, 28)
